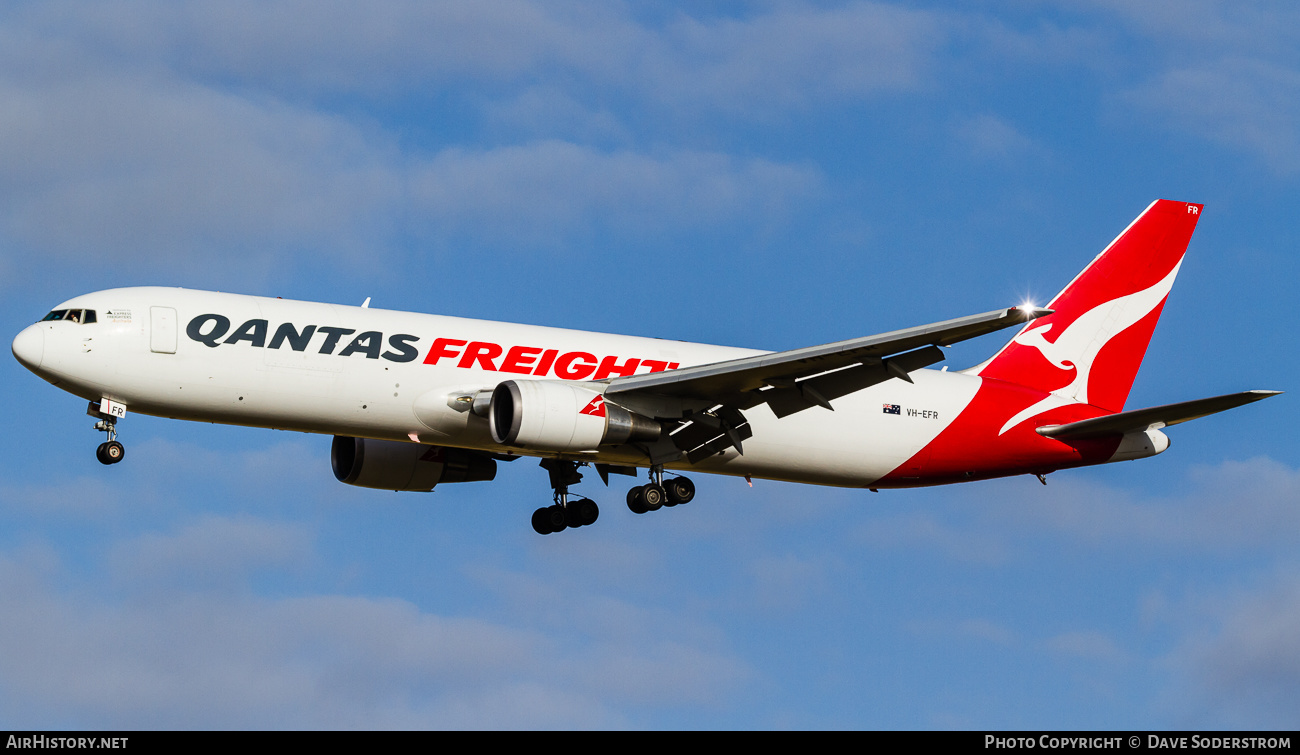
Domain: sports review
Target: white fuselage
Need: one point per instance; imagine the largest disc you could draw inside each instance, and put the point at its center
(373, 373)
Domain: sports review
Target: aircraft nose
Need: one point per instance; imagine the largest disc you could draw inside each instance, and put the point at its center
(29, 347)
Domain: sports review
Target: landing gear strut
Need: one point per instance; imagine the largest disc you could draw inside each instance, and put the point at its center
(110, 452)
(658, 492)
(565, 512)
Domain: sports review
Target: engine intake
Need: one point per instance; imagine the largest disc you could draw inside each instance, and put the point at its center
(394, 465)
(550, 415)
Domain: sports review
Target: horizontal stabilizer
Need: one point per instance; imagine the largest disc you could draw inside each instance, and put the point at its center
(1157, 416)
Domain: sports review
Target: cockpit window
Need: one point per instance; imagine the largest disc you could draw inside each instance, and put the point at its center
(72, 315)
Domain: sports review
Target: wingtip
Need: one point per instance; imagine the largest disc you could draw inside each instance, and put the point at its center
(1030, 312)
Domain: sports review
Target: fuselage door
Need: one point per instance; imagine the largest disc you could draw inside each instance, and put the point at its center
(162, 330)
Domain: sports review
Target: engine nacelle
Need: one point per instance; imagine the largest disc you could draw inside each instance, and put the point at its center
(393, 465)
(551, 415)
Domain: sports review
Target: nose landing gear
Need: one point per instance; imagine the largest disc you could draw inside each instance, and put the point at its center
(111, 451)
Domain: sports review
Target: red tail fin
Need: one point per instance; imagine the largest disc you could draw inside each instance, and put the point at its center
(1090, 348)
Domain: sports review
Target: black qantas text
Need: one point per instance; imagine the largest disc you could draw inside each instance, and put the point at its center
(211, 330)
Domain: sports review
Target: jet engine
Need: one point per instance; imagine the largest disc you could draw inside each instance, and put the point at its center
(551, 415)
(393, 465)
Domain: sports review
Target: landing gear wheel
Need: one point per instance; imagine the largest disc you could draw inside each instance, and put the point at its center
(110, 452)
(542, 521)
(556, 518)
(634, 501)
(680, 490)
(567, 511)
(652, 496)
(581, 512)
(571, 516)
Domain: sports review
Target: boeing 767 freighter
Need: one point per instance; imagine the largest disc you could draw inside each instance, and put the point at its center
(414, 400)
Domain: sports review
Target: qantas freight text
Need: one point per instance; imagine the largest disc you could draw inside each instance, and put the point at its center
(416, 400)
(212, 329)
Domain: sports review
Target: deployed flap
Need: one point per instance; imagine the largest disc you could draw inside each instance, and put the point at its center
(1159, 416)
(720, 381)
(786, 398)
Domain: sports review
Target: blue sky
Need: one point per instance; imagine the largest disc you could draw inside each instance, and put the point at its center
(767, 174)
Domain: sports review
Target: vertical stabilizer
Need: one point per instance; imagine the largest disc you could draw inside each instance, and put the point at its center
(1090, 348)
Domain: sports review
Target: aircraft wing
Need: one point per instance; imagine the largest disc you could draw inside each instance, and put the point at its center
(721, 380)
(708, 399)
(1158, 416)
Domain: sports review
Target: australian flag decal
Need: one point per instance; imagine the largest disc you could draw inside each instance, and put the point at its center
(892, 409)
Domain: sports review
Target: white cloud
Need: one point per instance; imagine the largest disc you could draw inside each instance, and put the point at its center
(1189, 26)
(1245, 103)
(633, 651)
(794, 55)
(910, 531)
(1236, 507)
(120, 171)
(783, 54)
(212, 553)
(80, 497)
(1217, 70)
(989, 631)
(331, 661)
(1087, 645)
(172, 633)
(982, 630)
(787, 583)
(550, 112)
(1240, 662)
(126, 169)
(549, 191)
(989, 137)
(322, 46)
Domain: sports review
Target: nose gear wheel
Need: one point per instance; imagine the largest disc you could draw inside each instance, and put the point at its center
(111, 451)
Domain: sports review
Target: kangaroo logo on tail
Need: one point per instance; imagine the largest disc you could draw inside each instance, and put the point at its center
(1090, 348)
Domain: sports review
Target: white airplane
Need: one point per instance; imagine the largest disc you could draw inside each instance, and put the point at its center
(414, 400)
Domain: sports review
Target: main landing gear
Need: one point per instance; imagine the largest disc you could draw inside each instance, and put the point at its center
(659, 492)
(565, 512)
(111, 451)
(569, 512)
